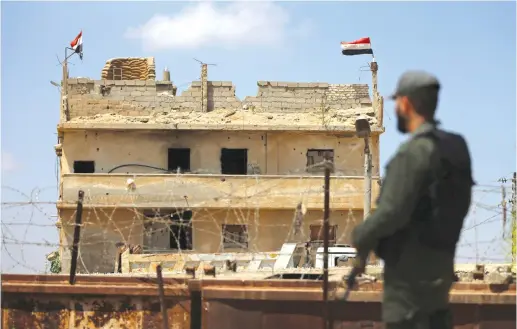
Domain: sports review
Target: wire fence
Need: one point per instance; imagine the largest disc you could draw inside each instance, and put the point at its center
(33, 234)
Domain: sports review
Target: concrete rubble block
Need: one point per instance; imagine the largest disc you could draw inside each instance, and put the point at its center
(117, 98)
(84, 81)
(144, 104)
(282, 94)
(136, 93)
(195, 84)
(293, 106)
(282, 84)
(120, 83)
(226, 84)
(140, 83)
(72, 81)
(163, 83)
(262, 83)
(150, 82)
(303, 85)
(214, 83)
(196, 93)
(146, 99)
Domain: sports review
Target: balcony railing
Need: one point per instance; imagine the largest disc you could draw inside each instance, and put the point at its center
(213, 191)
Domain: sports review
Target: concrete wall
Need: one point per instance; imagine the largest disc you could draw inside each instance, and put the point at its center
(137, 97)
(272, 153)
(267, 231)
(101, 229)
(212, 191)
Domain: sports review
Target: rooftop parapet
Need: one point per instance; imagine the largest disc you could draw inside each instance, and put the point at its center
(143, 101)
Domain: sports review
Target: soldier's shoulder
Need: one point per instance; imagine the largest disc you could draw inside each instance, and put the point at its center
(417, 144)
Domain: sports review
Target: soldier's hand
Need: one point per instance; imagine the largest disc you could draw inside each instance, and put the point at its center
(358, 268)
(359, 265)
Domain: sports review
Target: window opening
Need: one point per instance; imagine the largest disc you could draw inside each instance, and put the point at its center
(179, 158)
(317, 233)
(234, 161)
(181, 230)
(168, 230)
(315, 157)
(235, 236)
(84, 167)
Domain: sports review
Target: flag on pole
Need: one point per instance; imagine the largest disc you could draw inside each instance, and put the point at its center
(77, 44)
(357, 47)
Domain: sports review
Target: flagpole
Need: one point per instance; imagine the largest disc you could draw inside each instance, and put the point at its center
(65, 73)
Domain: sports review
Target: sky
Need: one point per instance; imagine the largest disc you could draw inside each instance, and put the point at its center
(469, 46)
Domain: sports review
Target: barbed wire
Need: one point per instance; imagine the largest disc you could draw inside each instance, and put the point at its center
(30, 226)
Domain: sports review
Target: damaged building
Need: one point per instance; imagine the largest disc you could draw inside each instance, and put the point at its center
(203, 171)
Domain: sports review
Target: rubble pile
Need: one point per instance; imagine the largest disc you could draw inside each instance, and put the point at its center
(332, 118)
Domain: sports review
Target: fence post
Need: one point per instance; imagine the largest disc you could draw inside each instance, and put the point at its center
(77, 236)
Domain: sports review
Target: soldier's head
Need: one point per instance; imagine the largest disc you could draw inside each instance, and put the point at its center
(416, 99)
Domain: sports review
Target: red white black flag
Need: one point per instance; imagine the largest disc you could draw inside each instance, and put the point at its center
(77, 44)
(357, 47)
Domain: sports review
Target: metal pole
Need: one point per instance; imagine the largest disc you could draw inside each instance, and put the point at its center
(77, 236)
(161, 296)
(326, 228)
(514, 219)
(367, 178)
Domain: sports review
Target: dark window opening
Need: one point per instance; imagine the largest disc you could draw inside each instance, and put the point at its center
(84, 167)
(296, 276)
(315, 157)
(179, 158)
(317, 233)
(167, 229)
(181, 230)
(235, 236)
(234, 161)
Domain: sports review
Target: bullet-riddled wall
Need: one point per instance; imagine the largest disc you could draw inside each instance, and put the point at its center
(270, 153)
(267, 231)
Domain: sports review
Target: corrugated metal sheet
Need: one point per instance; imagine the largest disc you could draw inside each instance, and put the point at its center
(117, 302)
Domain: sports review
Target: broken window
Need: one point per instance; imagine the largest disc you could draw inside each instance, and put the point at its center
(234, 161)
(315, 157)
(181, 230)
(84, 167)
(168, 229)
(235, 236)
(179, 159)
(317, 233)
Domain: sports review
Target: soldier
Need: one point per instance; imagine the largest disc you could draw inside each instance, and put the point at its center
(423, 202)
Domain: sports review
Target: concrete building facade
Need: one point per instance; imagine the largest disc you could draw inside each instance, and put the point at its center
(204, 171)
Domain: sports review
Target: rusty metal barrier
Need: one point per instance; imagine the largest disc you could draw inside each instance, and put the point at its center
(49, 301)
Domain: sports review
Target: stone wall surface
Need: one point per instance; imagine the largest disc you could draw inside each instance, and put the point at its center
(137, 98)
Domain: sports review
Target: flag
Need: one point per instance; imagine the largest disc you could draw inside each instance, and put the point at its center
(357, 47)
(77, 44)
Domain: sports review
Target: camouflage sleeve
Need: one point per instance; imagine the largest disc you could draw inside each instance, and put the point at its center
(406, 176)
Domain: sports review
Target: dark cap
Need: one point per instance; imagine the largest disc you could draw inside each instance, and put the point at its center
(411, 81)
